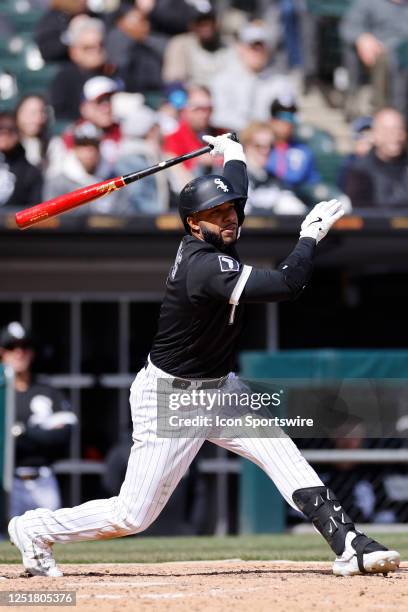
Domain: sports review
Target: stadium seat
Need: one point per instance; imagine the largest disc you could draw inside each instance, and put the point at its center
(329, 166)
(11, 50)
(310, 194)
(328, 8)
(24, 22)
(318, 140)
(59, 127)
(8, 105)
(402, 54)
(328, 160)
(35, 81)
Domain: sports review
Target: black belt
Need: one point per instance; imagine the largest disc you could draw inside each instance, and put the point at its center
(27, 473)
(213, 383)
(185, 383)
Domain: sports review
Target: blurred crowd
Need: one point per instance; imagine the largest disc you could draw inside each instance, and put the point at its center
(137, 81)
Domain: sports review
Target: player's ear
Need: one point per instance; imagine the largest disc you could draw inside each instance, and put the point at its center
(193, 224)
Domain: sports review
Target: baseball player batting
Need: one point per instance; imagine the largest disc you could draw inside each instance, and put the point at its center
(201, 320)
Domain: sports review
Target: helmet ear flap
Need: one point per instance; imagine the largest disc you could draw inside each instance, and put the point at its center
(206, 192)
(239, 208)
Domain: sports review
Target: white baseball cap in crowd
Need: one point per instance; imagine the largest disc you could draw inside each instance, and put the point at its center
(99, 86)
(80, 24)
(139, 122)
(254, 32)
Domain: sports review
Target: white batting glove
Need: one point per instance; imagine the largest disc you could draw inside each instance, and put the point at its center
(223, 145)
(320, 219)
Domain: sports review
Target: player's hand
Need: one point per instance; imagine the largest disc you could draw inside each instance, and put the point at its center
(223, 145)
(320, 219)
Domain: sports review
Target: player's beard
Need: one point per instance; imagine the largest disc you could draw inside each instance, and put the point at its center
(216, 239)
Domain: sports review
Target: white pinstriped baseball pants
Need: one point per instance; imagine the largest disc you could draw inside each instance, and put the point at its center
(155, 467)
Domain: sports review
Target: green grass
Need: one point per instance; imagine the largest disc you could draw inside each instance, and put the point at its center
(153, 550)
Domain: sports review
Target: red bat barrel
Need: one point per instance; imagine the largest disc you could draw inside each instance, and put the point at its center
(68, 201)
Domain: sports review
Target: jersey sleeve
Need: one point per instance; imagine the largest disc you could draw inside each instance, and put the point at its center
(221, 277)
(213, 276)
(236, 173)
(285, 283)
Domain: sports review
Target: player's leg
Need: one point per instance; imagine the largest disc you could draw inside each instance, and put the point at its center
(302, 488)
(155, 467)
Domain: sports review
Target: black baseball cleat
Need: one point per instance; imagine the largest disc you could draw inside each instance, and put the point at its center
(362, 555)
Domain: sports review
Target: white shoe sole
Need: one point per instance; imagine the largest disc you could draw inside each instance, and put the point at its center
(380, 562)
(34, 570)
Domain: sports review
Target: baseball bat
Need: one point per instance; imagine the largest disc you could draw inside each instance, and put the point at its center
(61, 204)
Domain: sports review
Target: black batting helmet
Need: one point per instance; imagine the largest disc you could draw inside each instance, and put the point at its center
(208, 192)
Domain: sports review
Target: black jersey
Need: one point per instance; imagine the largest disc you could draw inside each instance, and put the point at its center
(201, 317)
(40, 444)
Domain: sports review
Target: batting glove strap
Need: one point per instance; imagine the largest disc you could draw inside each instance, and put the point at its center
(223, 145)
(320, 219)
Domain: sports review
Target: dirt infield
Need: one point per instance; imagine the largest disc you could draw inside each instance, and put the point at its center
(258, 586)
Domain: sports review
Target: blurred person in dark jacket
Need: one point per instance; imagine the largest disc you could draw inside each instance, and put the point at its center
(52, 25)
(85, 38)
(380, 178)
(362, 135)
(129, 46)
(20, 182)
(168, 17)
(42, 429)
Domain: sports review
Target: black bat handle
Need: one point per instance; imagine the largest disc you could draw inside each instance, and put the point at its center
(135, 176)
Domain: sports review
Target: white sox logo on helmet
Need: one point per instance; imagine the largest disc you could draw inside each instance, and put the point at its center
(221, 185)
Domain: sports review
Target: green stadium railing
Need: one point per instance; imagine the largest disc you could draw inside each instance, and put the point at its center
(262, 509)
(7, 417)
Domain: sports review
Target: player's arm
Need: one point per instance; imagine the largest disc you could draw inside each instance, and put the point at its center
(54, 429)
(221, 277)
(294, 272)
(48, 437)
(287, 281)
